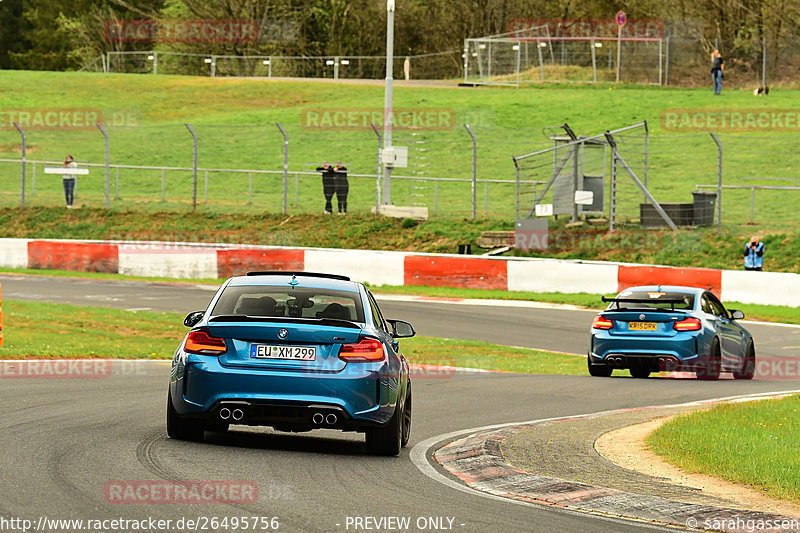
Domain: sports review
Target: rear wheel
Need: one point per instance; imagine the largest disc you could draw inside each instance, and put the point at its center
(748, 369)
(640, 371)
(710, 371)
(182, 428)
(387, 440)
(598, 371)
(407, 418)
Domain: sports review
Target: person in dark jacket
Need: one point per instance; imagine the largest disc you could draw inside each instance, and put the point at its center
(342, 186)
(754, 254)
(328, 185)
(717, 71)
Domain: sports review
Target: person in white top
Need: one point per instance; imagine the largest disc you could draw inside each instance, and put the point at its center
(69, 180)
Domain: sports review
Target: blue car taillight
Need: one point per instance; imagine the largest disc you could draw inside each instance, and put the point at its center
(366, 350)
(201, 342)
(601, 322)
(687, 324)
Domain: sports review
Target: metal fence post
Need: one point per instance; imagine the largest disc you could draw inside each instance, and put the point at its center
(194, 165)
(380, 166)
(646, 155)
(22, 178)
(719, 183)
(285, 164)
(108, 169)
(474, 170)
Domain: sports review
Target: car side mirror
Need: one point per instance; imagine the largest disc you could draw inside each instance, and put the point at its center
(401, 329)
(736, 314)
(193, 318)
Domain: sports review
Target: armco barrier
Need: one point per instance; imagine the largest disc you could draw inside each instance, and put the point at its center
(196, 260)
(445, 271)
(80, 256)
(633, 275)
(237, 262)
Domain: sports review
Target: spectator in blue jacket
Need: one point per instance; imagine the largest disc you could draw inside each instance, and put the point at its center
(753, 254)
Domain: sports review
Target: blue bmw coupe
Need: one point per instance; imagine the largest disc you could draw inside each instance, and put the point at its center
(295, 351)
(669, 328)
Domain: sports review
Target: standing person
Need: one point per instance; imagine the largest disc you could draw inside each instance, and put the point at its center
(753, 254)
(328, 185)
(69, 180)
(342, 186)
(717, 71)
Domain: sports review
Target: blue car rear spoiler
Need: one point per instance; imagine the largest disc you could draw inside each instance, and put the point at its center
(672, 302)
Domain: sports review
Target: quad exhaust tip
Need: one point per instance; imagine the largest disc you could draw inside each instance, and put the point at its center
(225, 413)
(237, 414)
(320, 418)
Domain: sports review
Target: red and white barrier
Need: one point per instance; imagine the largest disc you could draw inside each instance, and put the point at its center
(196, 260)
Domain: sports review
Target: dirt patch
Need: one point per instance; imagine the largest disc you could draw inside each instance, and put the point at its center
(625, 447)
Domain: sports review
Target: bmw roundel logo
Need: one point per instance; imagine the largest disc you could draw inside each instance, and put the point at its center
(283, 332)
(641, 317)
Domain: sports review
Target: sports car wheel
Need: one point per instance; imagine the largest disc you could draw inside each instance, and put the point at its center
(748, 370)
(640, 371)
(407, 418)
(387, 440)
(710, 371)
(181, 428)
(598, 371)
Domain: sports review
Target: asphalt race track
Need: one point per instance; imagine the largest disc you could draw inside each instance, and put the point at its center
(64, 440)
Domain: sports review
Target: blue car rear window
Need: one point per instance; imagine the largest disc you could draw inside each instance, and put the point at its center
(298, 302)
(653, 300)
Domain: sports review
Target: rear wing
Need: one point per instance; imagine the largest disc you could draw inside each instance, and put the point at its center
(672, 302)
(333, 322)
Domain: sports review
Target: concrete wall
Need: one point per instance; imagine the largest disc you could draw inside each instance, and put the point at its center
(188, 260)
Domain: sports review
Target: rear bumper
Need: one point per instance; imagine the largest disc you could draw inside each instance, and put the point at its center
(360, 396)
(674, 353)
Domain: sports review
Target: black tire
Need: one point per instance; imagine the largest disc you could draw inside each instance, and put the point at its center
(598, 371)
(387, 440)
(182, 428)
(710, 371)
(749, 368)
(640, 371)
(407, 418)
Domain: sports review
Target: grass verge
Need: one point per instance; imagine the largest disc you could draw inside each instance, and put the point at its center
(752, 443)
(49, 330)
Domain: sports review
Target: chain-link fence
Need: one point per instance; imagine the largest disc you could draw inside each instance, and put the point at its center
(441, 65)
(629, 170)
(240, 168)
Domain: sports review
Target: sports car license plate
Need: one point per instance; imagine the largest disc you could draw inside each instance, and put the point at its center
(642, 326)
(299, 353)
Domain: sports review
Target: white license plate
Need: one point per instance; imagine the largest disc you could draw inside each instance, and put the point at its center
(299, 353)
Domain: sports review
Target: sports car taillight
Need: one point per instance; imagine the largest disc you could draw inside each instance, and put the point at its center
(200, 342)
(601, 322)
(687, 324)
(366, 350)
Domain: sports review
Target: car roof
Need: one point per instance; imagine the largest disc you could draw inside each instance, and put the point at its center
(666, 288)
(311, 280)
